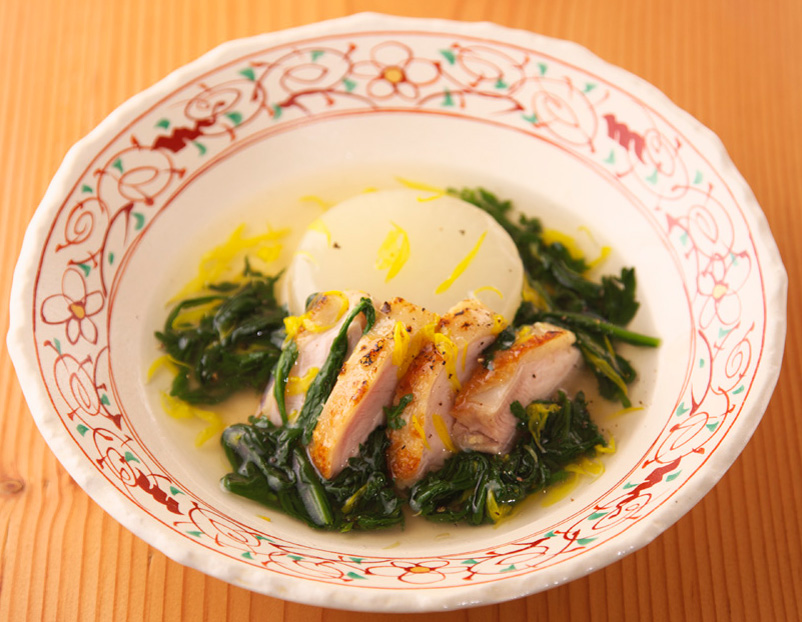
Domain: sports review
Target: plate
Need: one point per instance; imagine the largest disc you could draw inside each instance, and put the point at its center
(260, 131)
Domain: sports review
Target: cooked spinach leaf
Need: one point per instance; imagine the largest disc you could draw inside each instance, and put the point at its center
(271, 467)
(482, 488)
(596, 312)
(223, 342)
(393, 413)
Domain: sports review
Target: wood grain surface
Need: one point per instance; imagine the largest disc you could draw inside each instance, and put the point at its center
(736, 65)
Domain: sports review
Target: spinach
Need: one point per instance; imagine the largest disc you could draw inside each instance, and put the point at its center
(482, 488)
(231, 347)
(596, 313)
(393, 413)
(271, 467)
(321, 386)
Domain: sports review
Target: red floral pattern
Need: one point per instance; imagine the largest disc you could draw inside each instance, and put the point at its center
(603, 125)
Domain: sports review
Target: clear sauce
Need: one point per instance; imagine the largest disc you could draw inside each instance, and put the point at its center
(297, 205)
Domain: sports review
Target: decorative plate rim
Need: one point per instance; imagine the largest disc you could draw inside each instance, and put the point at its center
(20, 340)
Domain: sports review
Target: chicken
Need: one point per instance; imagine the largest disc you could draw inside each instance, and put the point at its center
(541, 358)
(423, 442)
(366, 384)
(314, 332)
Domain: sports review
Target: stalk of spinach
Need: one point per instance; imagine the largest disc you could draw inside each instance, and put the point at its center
(271, 467)
(596, 312)
(231, 347)
(481, 488)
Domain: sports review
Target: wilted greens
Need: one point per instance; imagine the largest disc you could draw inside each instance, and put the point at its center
(233, 339)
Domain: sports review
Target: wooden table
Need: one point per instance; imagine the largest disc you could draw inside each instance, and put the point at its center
(736, 66)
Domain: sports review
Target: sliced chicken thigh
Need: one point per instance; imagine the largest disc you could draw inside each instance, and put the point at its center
(366, 385)
(423, 442)
(533, 368)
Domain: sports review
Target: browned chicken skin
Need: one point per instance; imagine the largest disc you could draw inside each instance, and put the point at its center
(366, 384)
(424, 442)
(540, 360)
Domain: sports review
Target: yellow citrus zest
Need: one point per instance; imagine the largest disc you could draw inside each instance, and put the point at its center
(499, 323)
(449, 351)
(418, 425)
(223, 262)
(416, 185)
(318, 226)
(313, 198)
(494, 510)
(165, 361)
(393, 252)
(299, 385)
(442, 432)
(181, 410)
(294, 323)
(461, 266)
(489, 288)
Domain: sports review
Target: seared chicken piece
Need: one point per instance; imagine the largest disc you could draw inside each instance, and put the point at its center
(423, 442)
(541, 358)
(366, 384)
(315, 331)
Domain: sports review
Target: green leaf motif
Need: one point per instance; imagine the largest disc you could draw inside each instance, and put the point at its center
(129, 457)
(508, 568)
(236, 117)
(500, 84)
(684, 239)
(87, 189)
(200, 146)
(296, 558)
(448, 100)
(111, 258)
(140, 220)
(248, 73)
(610, 159)
(701, 363)
(349, 84)
(589, 87)
(57, 343)
(682, 409)
(723, 332)
(739, 390)
(551, 534)
(712, 426)
(174, 491)
(247, 555)
(698, 178)
(652, 179)
(530, 118)
(673, 476)
(197, 534)
(543, 67)
(82, 429)
(469, 562)
(86, 269)
(277, 110)
(118, 164)
(584, 541)
(629, 485)
(354, 575)
(104, 399)
(163, 123)
(449, 56)
(597, 515)
(317, 54)
(356, 560)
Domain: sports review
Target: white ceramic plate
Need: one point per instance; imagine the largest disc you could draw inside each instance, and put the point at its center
(244, 132)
